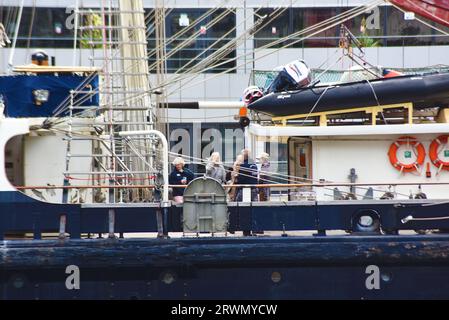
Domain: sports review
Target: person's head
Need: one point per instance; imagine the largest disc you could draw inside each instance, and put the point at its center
(264, 157)
(245, 154)
(239, 160)
(215, 158)
(179, 163)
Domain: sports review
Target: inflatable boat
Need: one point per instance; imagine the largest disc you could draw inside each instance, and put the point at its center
(424, 91)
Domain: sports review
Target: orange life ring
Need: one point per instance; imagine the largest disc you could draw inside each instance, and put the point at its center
(433, 152)
(418, 146)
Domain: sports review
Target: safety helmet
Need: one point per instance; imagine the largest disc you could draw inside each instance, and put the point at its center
(251, 94)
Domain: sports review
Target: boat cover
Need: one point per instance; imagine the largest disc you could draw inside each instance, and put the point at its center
(17, 93)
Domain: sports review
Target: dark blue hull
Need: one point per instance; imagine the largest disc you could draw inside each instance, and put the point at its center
(261, 267)
(414, 267)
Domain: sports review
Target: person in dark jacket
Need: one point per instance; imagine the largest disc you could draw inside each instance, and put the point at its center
(180, 176)
(248, 175)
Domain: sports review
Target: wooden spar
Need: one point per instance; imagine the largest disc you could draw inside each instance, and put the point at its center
(32, 68)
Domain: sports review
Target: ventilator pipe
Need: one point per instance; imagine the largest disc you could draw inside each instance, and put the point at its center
(165, 201)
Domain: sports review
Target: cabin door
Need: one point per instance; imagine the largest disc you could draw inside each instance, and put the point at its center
(300, 159)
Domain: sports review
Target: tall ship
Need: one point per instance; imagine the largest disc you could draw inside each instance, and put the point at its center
(360, 212)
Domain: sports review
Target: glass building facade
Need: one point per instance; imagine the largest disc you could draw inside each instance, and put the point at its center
(197, 41)
(387, 27)
(45, 27)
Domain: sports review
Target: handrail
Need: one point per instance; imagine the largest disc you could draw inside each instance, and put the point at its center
(164, 141)
(280, 185)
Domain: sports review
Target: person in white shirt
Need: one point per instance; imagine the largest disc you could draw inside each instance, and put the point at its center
(215, 168)
(264, 176)
(293, 76)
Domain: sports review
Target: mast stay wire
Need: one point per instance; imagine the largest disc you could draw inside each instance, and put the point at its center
(340, 18)
(223, 51)
(363, 9)
(189, 40)
(137, 96)
(211, 47)
(63, 106)
(283, 39)
(254, 59)
(435, 28)
(281, 176)
(284, 177)
(190, 27)
(193, 37)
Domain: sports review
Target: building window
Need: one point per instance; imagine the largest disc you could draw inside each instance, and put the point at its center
(383, 26)
(40, 27)
(327, 38)
(189, 43)
(277, 26)
(402, 32)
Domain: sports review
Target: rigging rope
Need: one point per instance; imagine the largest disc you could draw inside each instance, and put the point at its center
(284, 177)
(360, 10)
